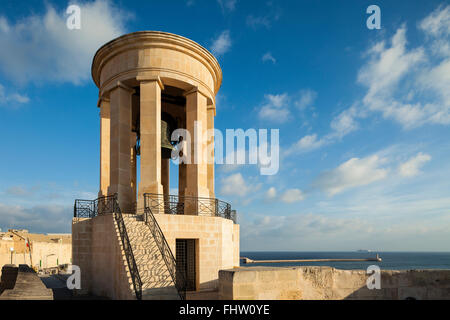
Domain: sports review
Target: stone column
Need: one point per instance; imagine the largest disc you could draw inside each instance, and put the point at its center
(210, 150)
(165, 176)
(150, 126)
(133, 160)
(181, 179)
(197, 170)
(104, 105)
(165, 181)
(120, 171)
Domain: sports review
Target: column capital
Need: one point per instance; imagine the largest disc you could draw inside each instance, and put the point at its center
(210, 103)
(197, 90)
(100, 100)
(151, 79)
(120, 84)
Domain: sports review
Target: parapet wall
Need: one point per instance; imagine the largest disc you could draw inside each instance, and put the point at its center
(326, 283)
(27, 285)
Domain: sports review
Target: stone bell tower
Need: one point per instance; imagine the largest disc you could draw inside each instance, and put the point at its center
(170, 83)
(151, 84)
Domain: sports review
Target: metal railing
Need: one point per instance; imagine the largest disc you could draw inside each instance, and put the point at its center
(93, 208)
(134, 271)
(178, 277)
(170, 204)
(105, 205)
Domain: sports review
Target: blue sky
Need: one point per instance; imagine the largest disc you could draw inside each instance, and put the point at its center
(363, 114)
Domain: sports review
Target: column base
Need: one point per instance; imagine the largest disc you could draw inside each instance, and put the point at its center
(194, 208)
(124, 197)
(155, 188)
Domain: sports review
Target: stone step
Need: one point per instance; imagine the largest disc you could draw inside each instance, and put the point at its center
(151, 265)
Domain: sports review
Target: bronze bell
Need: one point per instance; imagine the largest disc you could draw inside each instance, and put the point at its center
(166, 145)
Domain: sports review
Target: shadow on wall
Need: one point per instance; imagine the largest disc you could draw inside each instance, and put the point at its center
(27, 286)
(326, 283)
(408, 285)
(8, 278)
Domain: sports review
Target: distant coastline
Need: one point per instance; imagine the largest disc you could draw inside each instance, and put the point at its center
(391, 260)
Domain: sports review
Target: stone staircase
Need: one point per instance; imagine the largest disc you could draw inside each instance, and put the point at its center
(157, 283)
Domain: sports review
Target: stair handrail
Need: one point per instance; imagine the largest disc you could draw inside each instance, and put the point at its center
(107, 205)
(178, 277)
(127, 248)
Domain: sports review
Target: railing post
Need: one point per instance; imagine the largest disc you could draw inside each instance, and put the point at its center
(216, 207)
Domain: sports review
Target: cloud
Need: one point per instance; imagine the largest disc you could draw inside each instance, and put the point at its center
(352, 173)
(303, 231)
(256, 22)
(437, 23)
(19, 191)
(227, 5)
(276, 108)
(222, 44)
(314, 231)
(409, 86)
(40, 218)
(306, 99)
(292, 196)
(269, 57)
(412, 167)
(271, 193)
(382, 75)
(402, 83)
(344, 123)
(42, 48)
(305, 144)
(235, 185)
(12, 99)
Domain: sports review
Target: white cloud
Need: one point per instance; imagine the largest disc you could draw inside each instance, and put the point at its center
(292, 196)
(42, 48)
(271, 193)
(305, 144)
(438, 22)
(269, 57)
(235, 185)
(222, 44)
(276, 108)
(302, 232)
(307, 98)
(227, 5)
(390, 73)
(12, 99)
(412, 167)
(266, 20)
(397, 77)
(344, 123)
(352, 173)
(39, 218)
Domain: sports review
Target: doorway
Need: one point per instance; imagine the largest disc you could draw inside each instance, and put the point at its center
(186, 262)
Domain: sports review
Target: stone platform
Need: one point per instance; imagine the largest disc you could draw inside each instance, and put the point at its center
(27, 286)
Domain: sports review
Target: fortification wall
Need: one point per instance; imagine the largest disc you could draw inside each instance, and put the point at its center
(326, 283)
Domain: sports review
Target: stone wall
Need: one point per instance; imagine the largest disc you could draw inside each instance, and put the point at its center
(27, 286)
(218, 243)
(44, 254)
(98, 251)
(326, 283)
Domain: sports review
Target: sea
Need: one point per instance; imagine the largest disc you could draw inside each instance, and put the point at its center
(390, 260)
